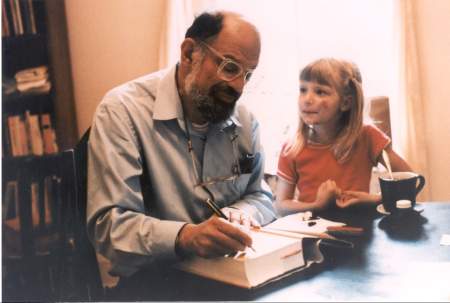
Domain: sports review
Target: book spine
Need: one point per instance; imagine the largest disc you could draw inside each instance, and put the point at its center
(12, 128)
(34, 132)
(35, 203)
(6, 144)
(32, 18)
(15, 22)
(6, 32)
(23, 137)
(48, 133)
(10, 205)
(49, 198)
(19, 17)
(25, 17)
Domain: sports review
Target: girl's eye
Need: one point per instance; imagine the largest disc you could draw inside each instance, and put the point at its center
(321, 92)
(302, 90)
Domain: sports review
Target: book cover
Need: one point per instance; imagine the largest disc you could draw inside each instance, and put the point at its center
(283, 247)
(273, 257)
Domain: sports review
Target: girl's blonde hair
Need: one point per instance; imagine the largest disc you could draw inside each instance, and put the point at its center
(345, 77)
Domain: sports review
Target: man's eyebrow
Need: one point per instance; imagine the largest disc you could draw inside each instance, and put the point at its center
(229, 56)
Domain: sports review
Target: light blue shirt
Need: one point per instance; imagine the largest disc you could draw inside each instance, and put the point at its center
(144, 116)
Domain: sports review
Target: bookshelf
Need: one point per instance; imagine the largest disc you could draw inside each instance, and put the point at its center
(37, 124)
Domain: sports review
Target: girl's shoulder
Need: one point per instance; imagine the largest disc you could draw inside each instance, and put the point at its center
(372, 132)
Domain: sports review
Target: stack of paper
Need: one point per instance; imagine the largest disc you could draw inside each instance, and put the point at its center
(33, 79)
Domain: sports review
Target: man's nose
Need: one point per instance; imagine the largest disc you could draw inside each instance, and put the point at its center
(238, 84)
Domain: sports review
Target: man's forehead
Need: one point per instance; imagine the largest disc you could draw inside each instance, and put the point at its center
(240, 41)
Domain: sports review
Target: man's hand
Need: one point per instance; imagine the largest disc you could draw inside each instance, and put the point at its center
(350, 197)
(327, 193)
(213, 237)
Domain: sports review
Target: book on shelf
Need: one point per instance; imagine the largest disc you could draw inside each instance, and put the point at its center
(280, 249)
(18, 136)
(10, 206)
(41, 215)
(31, 134)
(13, 136)
(18, 18)
(34, 134)
(49, 135)
(5, 25)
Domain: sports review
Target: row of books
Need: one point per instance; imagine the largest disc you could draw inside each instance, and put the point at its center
(18, 18)
(30, 134)
(42, 212)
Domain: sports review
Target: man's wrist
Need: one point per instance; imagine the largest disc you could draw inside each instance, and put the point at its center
(179, 250)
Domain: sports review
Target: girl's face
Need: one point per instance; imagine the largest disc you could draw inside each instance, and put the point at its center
(320, 105)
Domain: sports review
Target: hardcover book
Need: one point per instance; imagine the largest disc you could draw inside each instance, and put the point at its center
(280, 249)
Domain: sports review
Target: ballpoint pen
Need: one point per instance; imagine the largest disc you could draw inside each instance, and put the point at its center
(215, 208)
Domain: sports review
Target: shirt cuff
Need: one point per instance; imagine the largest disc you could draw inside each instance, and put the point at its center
(164, 238)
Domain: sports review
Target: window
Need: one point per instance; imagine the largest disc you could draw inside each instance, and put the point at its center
(296, 32)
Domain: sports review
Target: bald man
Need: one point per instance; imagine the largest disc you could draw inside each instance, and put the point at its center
(184, 128)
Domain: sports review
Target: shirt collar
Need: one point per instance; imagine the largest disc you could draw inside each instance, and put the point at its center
(168, 102)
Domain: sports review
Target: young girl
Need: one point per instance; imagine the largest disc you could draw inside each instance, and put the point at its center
(330, 159)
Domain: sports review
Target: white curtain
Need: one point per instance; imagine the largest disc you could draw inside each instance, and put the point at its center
(408, 113)
(178, 17)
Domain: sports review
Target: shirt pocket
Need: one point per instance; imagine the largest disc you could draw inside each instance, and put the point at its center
(241, 183)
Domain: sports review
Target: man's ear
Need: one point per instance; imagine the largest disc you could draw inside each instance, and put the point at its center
(346, 103)
(187, 50)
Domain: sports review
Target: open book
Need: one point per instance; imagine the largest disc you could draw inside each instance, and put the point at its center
(275, 255)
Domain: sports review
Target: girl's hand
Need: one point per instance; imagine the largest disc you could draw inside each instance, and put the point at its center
(350, 197)
(326, 194)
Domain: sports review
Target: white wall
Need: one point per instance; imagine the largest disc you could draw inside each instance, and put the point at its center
(433, 28)
(110, 42)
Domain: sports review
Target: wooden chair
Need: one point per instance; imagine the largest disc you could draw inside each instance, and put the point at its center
(380, 114)
(79, 268)
(378, 109)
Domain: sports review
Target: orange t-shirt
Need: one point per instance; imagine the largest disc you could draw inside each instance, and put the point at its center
(316, 163)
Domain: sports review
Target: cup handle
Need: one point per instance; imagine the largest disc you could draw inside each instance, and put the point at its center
(421, 184)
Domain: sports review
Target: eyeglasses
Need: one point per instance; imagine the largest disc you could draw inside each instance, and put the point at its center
(228, 69)
(199, 183)
(236, 170)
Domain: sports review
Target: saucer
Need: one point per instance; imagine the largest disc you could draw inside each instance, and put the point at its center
(381, 210)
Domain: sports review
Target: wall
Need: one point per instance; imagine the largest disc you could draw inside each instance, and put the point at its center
(115, 41)
(433, 29)
(110, 42)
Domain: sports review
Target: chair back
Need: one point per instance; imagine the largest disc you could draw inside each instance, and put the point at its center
(81, 263)
(380, 114)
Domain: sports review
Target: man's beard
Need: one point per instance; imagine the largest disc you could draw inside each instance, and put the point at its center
(211, 106)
